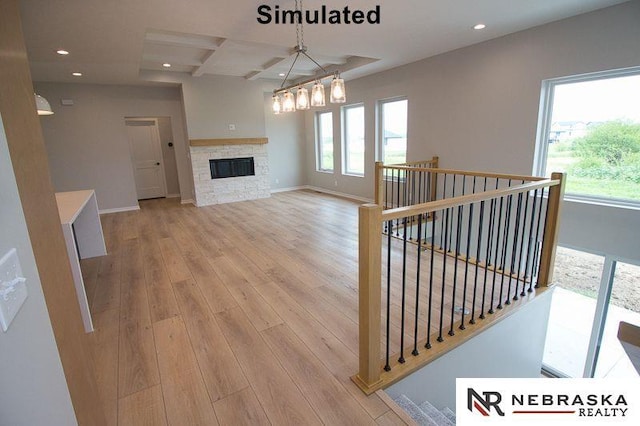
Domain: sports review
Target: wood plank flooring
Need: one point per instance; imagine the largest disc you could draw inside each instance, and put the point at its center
(242, 313)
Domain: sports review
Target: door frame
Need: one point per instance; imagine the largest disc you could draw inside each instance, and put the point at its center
(158, 147)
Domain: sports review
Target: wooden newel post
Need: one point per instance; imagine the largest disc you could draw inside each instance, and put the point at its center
(551, 230)
(369, 294)
(434, 165)
(379, 185)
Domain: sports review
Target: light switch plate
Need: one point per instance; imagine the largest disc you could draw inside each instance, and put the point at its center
(13, 288)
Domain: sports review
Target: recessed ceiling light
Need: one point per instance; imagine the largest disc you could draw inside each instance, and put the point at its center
(166, 65)
(76, 74)
(281, 74)
(479, 27)
(62, 52)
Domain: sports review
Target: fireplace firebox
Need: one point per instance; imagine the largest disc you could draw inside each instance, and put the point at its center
(231, 167)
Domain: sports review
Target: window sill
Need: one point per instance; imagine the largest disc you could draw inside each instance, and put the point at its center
(328, 172)
(353, 175)
(601, 201)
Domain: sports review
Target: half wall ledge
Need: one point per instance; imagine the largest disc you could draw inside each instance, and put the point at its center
(228, 141)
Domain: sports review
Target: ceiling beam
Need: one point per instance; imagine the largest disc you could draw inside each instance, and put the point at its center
(199, 42)
(268, 66)
(174, 60)
(210, 59)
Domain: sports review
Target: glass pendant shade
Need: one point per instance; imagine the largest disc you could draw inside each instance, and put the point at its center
(288, 102)
(302, 98)
(275, 104)
(42, 106)
(317, 95)
(338, 94)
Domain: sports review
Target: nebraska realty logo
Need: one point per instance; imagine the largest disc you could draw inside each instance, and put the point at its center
(552, 401)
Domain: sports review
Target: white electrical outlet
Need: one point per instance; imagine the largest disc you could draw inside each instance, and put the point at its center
(232, 127)
(13, 288)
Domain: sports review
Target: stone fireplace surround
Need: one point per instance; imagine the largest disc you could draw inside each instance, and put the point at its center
(218, 191)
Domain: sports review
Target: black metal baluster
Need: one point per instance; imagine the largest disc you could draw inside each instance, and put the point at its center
(514, 250)
(495, 268)
(505, 246)
(444, 195)
(415, 324)
(444, 276)
(478, 253)
(430, 299)
(455, 269)
(453, 195)
(420, 173)
(404, 293)
(538, 242)
(489, 252)
(387, 367)
(466, 261)
(521, 254)
(530, 243)
(411, 201)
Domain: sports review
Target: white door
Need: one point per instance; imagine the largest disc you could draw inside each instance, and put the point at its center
(146, 156)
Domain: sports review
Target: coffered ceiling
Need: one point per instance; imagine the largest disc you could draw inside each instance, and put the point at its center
(115, 41)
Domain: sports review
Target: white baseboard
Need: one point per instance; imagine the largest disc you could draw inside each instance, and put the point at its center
(119, 209)
(339, 194)
(291, 188)
(189, 201)
(172, 195)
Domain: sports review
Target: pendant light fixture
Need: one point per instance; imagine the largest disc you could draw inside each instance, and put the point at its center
(288, 102)
(317, 94)
(303, 101)
(276, 105)
(338, 95)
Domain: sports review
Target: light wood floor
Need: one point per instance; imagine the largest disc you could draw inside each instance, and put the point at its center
(242, 313)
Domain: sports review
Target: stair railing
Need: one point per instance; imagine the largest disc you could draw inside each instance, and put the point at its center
(446, 269)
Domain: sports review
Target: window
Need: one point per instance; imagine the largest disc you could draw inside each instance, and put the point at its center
(392, 137)
(324, 128)
(590, 129)
(353, 158)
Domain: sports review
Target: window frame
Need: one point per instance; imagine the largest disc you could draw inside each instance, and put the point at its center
(345, 129)
(545, 115)
(319, 149)
(380, 125)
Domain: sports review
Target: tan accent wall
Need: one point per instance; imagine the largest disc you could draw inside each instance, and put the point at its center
(31, 169)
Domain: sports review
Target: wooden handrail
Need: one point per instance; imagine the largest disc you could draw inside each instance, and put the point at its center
(434, 160)
(466, 173)
(462, 200)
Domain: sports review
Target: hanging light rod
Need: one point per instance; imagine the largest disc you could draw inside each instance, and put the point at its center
(307, 81)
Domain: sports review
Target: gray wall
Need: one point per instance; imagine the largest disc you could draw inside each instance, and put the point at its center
(212, 103)
(287, 148)
(477, 108)
(33, 389)
(511, 348)
(87, 143)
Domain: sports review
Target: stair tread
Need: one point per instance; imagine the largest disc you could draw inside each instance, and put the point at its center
(435, 414)
(449, 414)
(414, 411)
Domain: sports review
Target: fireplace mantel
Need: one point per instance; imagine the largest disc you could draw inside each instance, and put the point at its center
(228, 141)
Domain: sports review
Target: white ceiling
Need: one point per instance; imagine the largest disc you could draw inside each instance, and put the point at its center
(112, 41)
